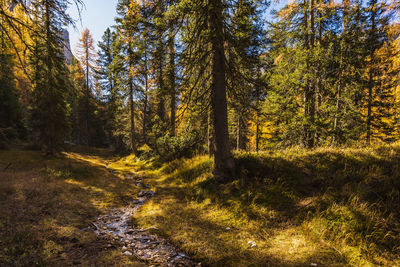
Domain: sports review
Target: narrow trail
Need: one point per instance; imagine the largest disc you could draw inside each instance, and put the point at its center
(139, 242)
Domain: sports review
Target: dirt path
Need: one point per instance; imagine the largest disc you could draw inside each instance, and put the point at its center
(139, 242)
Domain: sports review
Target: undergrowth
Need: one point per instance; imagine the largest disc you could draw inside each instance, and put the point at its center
(329, 206)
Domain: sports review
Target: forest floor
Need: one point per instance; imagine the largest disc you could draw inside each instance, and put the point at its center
(47, 206)
(326, 207)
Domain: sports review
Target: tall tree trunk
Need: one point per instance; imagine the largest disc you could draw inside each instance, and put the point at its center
(223, 160)
(306, 93)
(132, 116)
(171, 78)
(146, 98)
(87, 111)
(371, 72)
(342, 71)
(311, 97)
(160, 78)
(369, 114)
(257, 131)
(131, 104)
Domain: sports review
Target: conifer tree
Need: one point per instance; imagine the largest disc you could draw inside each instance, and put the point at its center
(86, 55)
(49, 112)
(11, 124)
(106, 75)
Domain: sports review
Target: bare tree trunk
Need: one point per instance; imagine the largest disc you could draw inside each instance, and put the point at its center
(223, 160)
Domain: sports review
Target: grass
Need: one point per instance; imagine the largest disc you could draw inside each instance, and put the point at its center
(329, 206)
(47, 204)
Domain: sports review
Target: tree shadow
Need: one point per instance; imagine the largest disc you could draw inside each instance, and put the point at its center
(355, 189)
(47, 206)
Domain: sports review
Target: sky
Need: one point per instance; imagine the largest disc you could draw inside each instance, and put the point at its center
(97, 16)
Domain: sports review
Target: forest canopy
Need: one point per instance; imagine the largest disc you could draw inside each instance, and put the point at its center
(178, 78)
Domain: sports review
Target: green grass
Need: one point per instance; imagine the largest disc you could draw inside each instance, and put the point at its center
(46, 204)
(330, 206)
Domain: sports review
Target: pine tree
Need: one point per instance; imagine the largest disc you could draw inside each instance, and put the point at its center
(127, 27)
(11, 124)
(244, 50)
(49, 112)
(107, 77)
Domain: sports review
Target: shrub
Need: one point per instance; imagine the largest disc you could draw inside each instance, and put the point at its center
(174, 147)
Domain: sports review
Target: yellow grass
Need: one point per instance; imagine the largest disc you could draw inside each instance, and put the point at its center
(329, 206)
(46, 204)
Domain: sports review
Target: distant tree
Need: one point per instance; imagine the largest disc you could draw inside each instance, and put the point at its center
(127, 25)
(87, 57)
(245, 45)
(379, 76)
(107, 73)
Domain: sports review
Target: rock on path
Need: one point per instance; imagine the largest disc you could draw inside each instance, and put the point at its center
(139, 242)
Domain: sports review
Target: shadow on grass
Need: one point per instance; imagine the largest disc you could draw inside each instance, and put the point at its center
(348, 197)
(47, 205)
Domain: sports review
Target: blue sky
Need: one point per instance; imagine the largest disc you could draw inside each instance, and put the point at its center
(97, 16)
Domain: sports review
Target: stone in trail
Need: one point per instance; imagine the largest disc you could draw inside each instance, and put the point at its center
(139, 242)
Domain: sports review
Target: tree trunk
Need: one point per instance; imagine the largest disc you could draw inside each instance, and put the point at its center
(131, 104)
(371, 74)
(132, 116)
(306, 125)
(171, 78)
(311, 96)
(146, 100)
(160, 78)
(87, 111)
(210, 142)
(238, 132)
(257, 132)
(223, 160)
(369, 115)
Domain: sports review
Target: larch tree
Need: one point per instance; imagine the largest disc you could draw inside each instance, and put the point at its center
(87, 57)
